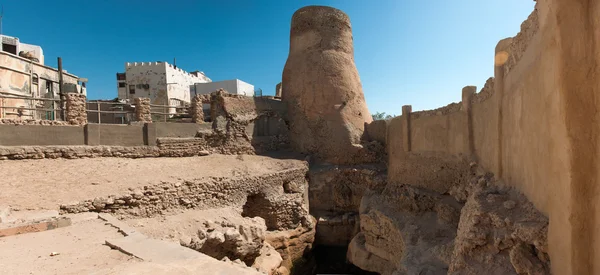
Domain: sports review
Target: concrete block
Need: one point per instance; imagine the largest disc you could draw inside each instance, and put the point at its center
(4, 213)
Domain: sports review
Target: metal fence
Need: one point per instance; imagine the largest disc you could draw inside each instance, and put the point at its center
(110, 112)
(170, 113)
(24, 107)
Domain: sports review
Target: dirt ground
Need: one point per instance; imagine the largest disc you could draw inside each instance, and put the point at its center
(80, 246)
(47, 183)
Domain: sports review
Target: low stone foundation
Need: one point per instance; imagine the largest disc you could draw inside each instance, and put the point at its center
(15, 121)
(74, 152)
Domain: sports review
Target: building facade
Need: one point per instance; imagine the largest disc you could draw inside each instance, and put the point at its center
(234, 86)
(25, 81)
(161, 82)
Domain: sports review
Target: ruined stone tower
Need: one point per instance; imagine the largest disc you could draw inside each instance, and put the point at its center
(326, 104)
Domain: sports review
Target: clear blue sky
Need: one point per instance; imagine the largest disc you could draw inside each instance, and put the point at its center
(407, 51)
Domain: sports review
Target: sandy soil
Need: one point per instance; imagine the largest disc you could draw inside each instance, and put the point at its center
(80, 246)
(47, 183)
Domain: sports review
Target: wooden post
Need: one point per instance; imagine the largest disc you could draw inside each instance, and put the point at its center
(60, 90)
(98, 109)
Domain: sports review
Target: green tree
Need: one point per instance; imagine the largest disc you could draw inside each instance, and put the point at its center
(381, 116)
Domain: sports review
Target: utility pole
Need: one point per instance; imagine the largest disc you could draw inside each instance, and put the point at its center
(1, 15)
(60, 89)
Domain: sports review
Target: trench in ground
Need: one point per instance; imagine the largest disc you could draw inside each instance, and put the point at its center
(324, 259)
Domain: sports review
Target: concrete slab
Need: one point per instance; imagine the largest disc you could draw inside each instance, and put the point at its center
(12, 229)
(29, 216)
(152, 250)
(81, 217)
(123, 228)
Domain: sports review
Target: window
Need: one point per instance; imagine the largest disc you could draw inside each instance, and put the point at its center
(122, 85)
(9, 48)
(121, 76)
(132, 89)
(35, 79)
(49, 88)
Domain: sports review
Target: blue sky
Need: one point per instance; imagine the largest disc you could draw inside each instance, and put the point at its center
(407, 51)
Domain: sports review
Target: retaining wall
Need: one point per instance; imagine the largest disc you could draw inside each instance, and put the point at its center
(17, 135)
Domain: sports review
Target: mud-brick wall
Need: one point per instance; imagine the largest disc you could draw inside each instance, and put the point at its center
(439, 131)
(534, 126)
(485, 107)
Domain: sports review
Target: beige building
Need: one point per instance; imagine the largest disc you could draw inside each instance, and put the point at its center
(24, 80)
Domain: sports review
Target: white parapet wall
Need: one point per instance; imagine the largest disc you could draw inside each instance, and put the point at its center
(234, 86)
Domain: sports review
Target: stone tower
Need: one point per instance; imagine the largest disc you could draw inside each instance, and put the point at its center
(323, 93)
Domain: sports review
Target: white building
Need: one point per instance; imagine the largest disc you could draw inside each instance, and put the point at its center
(234, 86)
(24, 78)
(14, 46)
(163, 83)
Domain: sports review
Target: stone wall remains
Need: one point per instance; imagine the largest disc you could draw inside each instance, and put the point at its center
(76, 109)
(143, 110)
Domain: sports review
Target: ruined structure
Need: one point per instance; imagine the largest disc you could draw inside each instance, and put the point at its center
(502, 182)
(326, 105)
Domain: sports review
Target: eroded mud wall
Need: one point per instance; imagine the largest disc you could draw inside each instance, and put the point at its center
(533, 125)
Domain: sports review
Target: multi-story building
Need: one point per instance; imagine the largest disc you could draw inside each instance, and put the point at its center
(234, 86)
(163, 83)
(24, 80)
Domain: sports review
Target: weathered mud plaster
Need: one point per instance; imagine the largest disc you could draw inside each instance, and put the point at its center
(326, 105)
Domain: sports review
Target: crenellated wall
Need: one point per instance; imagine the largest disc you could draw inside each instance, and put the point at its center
(533, 125)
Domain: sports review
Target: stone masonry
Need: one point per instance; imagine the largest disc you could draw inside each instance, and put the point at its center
(76, 109)
(142, 110)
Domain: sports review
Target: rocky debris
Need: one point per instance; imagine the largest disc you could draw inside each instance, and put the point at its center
(76, 109)
(280, 211)
(326, 107)
(17, 121)
(500, 232)
(292, 244)
(477, 227)
(339, 189)
(269, 261)
(235, 241)
(29, 55)
(232, 117)
(74, 152)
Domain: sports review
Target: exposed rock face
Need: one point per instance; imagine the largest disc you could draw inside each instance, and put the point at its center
(500, 232)
(476, 227)
(326, 106)
(293, 244)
